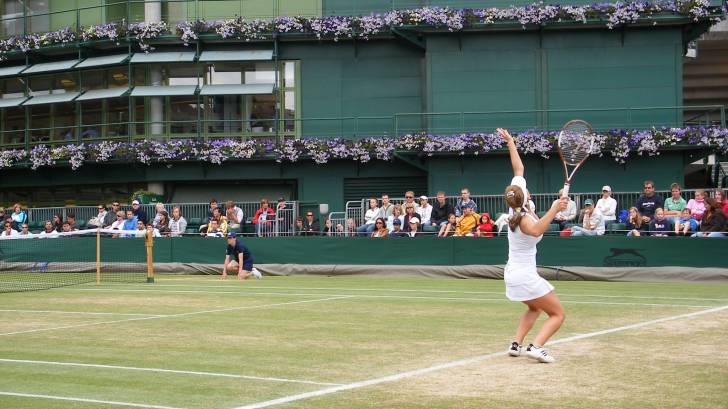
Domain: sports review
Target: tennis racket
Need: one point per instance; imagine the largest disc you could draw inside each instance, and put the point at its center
(575, 143)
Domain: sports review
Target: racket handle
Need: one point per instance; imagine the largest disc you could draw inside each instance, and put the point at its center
(566, 190)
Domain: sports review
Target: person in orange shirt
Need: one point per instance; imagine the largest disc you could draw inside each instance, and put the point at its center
(467, 223)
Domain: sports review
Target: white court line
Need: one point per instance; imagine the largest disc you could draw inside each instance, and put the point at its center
(461, 362)
(70, 399)
(185, 314)
(160, 370)
(82, 313)
(395, 297)
(431, 291)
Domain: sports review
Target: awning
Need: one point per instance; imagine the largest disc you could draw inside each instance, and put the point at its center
(162, 91)
(102, 94)
(50, 66)
(11, 102)
(242, 89)
(101, 61)
(242, 55)
(159, 57)
(9, 71)
(52, 98)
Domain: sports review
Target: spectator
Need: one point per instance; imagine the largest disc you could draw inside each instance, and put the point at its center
(19, 216)
(66, 228)
(262, 218)
(648, 202)
(111, 215)
(71, 219)
(328, 227)
(674, 204)
(163, 225)
(686, 225)
(370, 217)
(414, 227)
(130, 223)
(593, 224)
(448, 229)
(118, 224)
(634, 222)
(158, 208)
(25, 232)
(2, 213)
(697, 205)
(486, 227)
(139, 211)
(441, 210)
(298, 228)
(713, 224)
(409, 199)
(141, 229)
(397, 229)
(213, 230)
(58, 222)
(350, 229)
(234, 215)
(380, 229)
(720, 200)
(467, 224)
(607, 206)
(409, 212)
(211, 209)
(177, 224)
(310, 225)
(222, 223)
(464, 201)
(660, 226)
(566, 216)
(281, 204)
(425, 212)
(154, 232)
(8, 231)
(100, 219)
(387, 208)
(49, 230)
(396, 215)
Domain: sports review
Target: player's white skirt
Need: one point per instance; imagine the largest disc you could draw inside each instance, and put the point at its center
(524, 284)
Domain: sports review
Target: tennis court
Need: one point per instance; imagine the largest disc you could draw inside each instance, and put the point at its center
(364, 342)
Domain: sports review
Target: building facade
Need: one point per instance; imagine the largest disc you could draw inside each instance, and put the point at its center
(283, 86)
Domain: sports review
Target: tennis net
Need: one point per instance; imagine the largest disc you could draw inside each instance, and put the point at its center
(39, 262)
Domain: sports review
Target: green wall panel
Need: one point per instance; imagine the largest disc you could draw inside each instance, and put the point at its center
(369, 80)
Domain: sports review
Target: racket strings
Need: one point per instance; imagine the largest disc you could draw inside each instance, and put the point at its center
(575, 145)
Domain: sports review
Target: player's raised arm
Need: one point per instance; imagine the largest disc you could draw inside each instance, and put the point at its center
(512, 151)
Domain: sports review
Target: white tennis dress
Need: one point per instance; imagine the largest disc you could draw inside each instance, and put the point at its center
(522, 280)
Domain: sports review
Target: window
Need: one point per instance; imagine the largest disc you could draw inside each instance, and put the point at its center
(180, 74)
(64, 121)
(12, 16)
(92, 119)
(40, 122)
(223, 114)
(117, 116)
(13, 125)
(183, 115)
(13, 88)
(93, 79)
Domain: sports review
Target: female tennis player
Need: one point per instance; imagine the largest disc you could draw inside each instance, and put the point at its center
(523, 283)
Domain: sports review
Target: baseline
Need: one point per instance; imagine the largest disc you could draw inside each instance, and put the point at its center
(72, 399)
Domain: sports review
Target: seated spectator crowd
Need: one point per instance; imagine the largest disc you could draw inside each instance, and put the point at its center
(651, 215)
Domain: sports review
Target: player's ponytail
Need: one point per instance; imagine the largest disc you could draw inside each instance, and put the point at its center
(514, 199)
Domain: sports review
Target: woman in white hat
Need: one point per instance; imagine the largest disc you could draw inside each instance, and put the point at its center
(607, 206)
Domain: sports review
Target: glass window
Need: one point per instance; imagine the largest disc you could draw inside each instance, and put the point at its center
(140, 75)
(261, 111)
(183, 114)
(260, 73)
(40, 122)
(39, 21)
(180, 74)
(40, 85)
(64, 121)
(91, 118)
(290, 74)
(12, 16)
(13, 125)
(117, 77)
(93, 79)
(117, 116)
(64, 82)
(13, 88)
(289, 112)
(223, 114)
(139, 116)
(223, 73)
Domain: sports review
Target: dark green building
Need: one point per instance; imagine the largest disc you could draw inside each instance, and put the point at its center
(408, 78)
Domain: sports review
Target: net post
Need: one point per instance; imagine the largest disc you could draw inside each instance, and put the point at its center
(98, 256)
(149, 243)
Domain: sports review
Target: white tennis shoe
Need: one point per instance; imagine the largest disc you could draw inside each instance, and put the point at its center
(539, 354)
(515, 349)
(257, 273)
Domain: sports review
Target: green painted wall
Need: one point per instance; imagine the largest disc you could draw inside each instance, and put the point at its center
(377, 78)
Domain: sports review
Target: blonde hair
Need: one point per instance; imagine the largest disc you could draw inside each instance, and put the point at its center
(514, 199)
